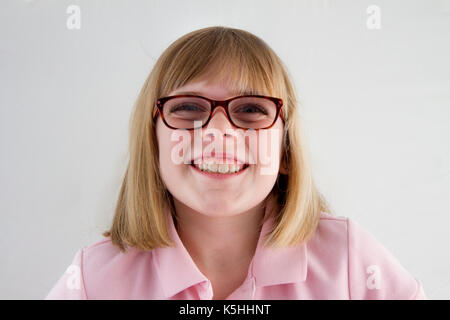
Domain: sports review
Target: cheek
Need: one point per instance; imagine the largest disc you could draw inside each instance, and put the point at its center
(172, 145)
(268, 152)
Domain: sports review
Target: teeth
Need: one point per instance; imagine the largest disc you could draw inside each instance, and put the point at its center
(219, 168)
(223, 168)
(212, 167)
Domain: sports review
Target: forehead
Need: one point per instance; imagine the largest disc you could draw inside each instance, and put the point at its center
(215, 89)
(204, 88)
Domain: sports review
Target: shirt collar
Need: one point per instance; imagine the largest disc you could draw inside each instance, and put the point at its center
(270, 266)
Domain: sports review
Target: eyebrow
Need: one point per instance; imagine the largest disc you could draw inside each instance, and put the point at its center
(247, 92)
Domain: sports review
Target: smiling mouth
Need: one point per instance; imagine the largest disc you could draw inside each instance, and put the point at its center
(220, 169)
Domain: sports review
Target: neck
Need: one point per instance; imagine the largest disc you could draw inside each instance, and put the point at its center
(219, 244)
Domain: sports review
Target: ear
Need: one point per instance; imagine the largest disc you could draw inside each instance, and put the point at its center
(283, 166)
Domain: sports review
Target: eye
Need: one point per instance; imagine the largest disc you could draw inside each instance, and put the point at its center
(186, 107)
(251, 109)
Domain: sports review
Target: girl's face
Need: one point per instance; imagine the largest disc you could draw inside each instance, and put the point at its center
(219, 194)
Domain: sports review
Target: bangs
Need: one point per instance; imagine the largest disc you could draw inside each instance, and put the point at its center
(242, 62)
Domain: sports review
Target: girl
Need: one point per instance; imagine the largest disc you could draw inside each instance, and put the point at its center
(208, 211)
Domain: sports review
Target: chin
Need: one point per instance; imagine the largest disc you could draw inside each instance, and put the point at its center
(218, 210)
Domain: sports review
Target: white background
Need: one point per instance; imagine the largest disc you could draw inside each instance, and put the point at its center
(376, 105)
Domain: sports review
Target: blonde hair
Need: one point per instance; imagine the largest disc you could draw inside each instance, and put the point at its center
(140, 219)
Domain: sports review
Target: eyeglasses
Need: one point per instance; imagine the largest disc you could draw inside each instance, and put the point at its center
(246, 112)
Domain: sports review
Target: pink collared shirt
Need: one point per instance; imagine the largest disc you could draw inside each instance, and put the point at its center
(341, 261)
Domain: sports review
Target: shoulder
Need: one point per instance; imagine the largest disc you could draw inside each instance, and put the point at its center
(105, 257)
(335, 224)
(102, 271)
(331, 232)
(102, 251)
(109, 272)
(373, 272)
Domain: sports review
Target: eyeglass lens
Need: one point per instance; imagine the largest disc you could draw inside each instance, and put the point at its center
(245, 112)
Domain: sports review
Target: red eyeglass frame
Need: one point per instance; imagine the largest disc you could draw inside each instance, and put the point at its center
(216, 103)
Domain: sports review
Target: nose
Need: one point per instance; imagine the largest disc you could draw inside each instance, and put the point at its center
(219, 120)
(220, 132)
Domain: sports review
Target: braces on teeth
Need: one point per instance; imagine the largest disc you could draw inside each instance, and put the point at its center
(219, 168)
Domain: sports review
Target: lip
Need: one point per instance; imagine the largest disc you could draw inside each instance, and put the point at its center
(220, 157)
(220, 176)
